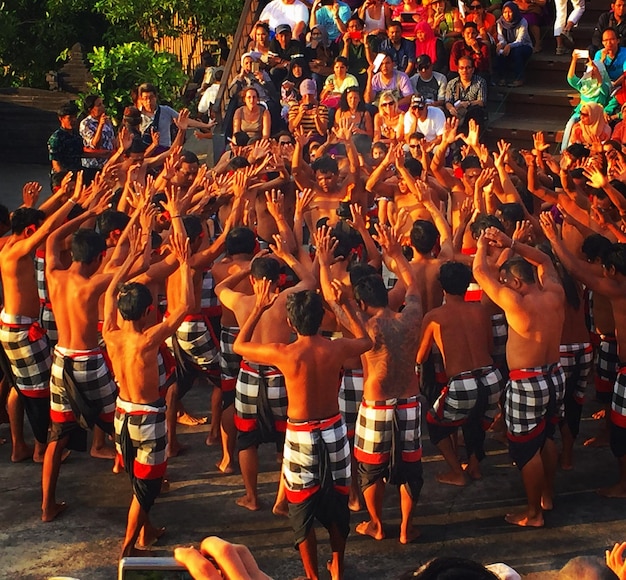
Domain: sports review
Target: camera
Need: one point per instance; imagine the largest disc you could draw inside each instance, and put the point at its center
(151, 569)
(343, 211)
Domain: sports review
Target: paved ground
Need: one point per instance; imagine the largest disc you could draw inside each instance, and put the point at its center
(85, 542)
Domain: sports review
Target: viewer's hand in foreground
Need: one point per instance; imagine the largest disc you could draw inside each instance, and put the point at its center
(229, 561)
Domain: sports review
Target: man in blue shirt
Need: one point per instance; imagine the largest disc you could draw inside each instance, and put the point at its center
(401, 50)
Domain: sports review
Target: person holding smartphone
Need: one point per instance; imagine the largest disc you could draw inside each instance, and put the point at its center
(333, 15)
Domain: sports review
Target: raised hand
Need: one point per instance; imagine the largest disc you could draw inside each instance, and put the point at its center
(498, 238)
(264, 295)
(523, 231)
(325, 246)
(303, 201)
(30, 193)
(595, 177)
(388, 240)
(275, 204)
(179, 244)
(548, 225)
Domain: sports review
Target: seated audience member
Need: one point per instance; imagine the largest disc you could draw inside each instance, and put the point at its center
(408, 13)
(619, 131)
(401, 50)
(427, 43)
(593, 87)
(514, 47)
(447, 23)
(309, 114)
(613, 57)
(563, 24)
(536, 15)
(332, 17)
(592, 126)
(471, 46)
(425, 119)
(466, 96)
(388, 79)
(356, 49)
(377, 16)
(337, 83)
(252, 118)
(428, 82)
(260, 42)
(389, 121)
(285, 48)
(320, 54)
(352, 107)
(292, 13)
(485, 21)
(615, 18)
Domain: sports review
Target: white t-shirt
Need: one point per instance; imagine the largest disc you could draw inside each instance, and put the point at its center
(431, 127)
(277, 12)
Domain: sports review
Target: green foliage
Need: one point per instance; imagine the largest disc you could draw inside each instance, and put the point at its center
(118, 70)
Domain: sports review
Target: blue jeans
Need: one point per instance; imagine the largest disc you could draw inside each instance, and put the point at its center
(514, 63)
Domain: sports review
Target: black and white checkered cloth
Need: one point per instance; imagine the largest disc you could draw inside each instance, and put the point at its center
(197, 342)
(229, 359)
(28, 352)
(375, 425)
(93, 378)
(606, 364)
(306, 444)
(500, 333)
(577, 361)
(532, 395)
(618, 400)
(350, 395)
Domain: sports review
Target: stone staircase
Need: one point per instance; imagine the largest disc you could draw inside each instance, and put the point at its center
(546, 101)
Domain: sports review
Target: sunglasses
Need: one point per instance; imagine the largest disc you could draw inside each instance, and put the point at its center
(387, 104)
(284, 142)
(583, 114)
(475, 7)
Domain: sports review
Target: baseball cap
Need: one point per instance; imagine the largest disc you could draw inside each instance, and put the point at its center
(283, 28)
(423, 61)
(308, 87)
(418, 101)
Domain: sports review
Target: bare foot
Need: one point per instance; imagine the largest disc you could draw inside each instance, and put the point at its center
(39, 455)
(165, 486)
(103, 453)
(522, 519)
(211, 440)
(546, 504)
(118, 464)
(598, 441)
(21, 453)
(149, 537)
(369, 529)
(49, 514)
(617, 490)
(601, 414)
(189, 420)
(281, 509)
(452, 478)
(249, 504)
(355, 504)
(175, 449)
(225, 467)
(410, 535)
(537, 48)
(332, 570)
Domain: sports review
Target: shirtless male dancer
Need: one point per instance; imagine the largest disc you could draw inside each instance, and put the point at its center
(462, 331)
(534, 305)
(390, 390)
(22, 338)
(82, 389)
(316, 461)
(254, 376)
(140, 426)
(612, 284)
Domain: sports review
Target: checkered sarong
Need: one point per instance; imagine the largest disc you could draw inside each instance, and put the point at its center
(310, 447)
(46, 316)
(500, 332)
(375, 426)
(141, 441)
(247, 397)
(26, 346)
(531, 396)
(208, 297)
(93, 379)
(618, 400)
(576, 360)
(460, 396)
(196, 341)
(229, 359)
(350, 395)
(606, 365)
(148, 431)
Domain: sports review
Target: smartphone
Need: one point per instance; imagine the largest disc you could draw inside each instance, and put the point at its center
(378, 61)
(151, 569)
(255, 67)
(581, 53)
